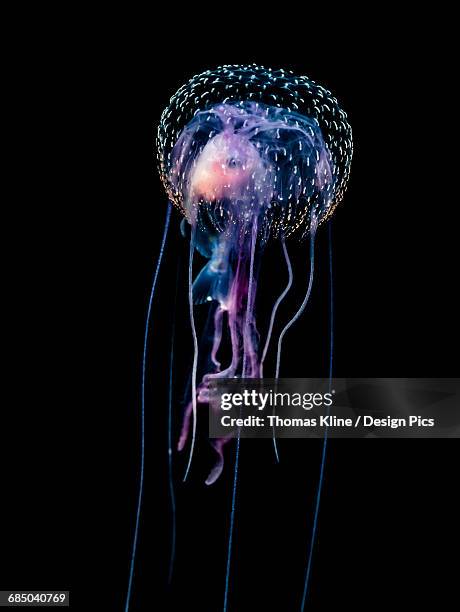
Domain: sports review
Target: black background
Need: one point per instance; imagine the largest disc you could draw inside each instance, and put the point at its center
(87, 224)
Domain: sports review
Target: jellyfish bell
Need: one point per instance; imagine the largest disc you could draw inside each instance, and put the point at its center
(256, 102)
(248, 155)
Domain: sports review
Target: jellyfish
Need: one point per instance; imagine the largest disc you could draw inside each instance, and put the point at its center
(248, 156)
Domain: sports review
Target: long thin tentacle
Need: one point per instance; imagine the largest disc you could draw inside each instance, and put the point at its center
(295, 317)
(142, 432)
(276, 305)
(323, 454)
(246, 331)
(238, 439)
(195, 347)
(170, 443)
(305, 301)
(270, 329)
(218, 315)
(232, 522)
